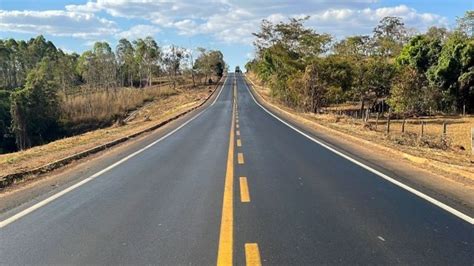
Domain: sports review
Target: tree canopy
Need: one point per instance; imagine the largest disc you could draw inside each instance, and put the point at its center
(413, 73)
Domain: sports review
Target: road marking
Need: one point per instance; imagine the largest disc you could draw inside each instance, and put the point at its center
(240, 158)
(237, 126)
(44, 202)
(244, 190)
(252, 255)
(219, 94)
(392, 180)
(226, 238)
(237, 132)
(239, 143)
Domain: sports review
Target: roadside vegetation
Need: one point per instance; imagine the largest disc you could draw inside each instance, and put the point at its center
(47, 94)
(411, 80)
(141, 119)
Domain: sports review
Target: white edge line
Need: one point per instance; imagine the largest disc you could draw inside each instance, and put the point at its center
(44, 202)
(438, 203)
(222, 87)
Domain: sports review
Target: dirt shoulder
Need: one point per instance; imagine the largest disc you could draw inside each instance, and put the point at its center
(154, 113)
(452, 184)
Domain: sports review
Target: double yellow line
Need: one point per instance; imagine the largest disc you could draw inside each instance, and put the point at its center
(226, 238)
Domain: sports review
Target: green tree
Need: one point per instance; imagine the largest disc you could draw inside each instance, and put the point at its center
(314, 86)
(412, 94)
(435, 33)
(389, 36)
(453, 72)
(421, 53)
(353, 47)
(209, 63)
(172, 60)
(5, 120)
(465, 24)
(98, 66)
(147, 56)
(34, 109)
(283, 52)
(126, 63)
(65, 70)
(372, 81)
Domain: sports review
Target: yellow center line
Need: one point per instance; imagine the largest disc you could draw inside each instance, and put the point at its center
(252, 254)
(226, 238)
(240, 158)
(239, 143)
(244, 190)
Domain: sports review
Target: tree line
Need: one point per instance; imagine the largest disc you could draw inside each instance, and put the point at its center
(35, 77)
(394, 68)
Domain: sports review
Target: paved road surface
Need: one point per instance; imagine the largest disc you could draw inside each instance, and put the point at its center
(277, 198)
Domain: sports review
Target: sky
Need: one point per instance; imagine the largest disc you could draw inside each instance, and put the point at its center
(226, 25)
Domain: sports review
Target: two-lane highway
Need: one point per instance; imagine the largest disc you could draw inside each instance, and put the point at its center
(234, 185)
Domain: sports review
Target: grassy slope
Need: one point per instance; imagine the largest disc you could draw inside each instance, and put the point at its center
(160, 109)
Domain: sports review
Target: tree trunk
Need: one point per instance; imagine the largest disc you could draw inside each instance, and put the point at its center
(362, 106)
(149, 76)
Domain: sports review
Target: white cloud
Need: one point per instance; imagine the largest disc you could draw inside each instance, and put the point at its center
(228, 21)
(56, 22)
(233, 21)
(343, 22)
(138, 31)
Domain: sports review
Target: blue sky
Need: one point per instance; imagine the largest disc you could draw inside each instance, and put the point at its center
(213, 24)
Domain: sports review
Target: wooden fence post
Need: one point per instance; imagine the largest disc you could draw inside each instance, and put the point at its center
(377, 120)
(388, 121)
(422, 128)
(443, 135)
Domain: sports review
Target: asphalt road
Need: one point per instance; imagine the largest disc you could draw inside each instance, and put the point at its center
(236, 185)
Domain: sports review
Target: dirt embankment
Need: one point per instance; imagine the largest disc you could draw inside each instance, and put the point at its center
(161, 109)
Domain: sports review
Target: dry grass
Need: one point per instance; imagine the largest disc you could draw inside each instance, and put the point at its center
(458, 134)
(105, 105)
(457, 138)
(159, 110)
(88, 109)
